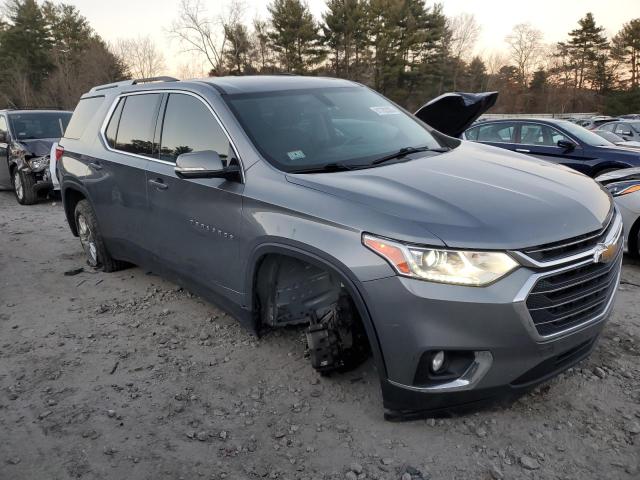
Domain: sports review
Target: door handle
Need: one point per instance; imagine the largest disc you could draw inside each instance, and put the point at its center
(522, 150)
(95, 165)
(159, 184)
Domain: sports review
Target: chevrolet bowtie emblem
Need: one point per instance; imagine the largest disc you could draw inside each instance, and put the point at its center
(605, 252)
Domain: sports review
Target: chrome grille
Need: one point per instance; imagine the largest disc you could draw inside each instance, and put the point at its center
(563, 300)
(571, 246)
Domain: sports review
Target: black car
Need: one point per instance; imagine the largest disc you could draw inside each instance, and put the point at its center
(558, 141)
(26, 137)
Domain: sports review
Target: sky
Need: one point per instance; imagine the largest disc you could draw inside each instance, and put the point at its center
(114, 19)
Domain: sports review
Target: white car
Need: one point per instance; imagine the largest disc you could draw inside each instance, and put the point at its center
(624, 185)
(52, 167)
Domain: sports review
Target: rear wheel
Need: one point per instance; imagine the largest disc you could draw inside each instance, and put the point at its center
(23, 187)
(92, 242)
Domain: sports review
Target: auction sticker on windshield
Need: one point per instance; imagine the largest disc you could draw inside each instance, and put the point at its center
(296, 155)
(386, 110)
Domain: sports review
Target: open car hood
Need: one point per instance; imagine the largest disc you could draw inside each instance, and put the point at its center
(453, 113)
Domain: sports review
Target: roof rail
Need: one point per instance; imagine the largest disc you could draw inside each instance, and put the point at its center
(126, 83)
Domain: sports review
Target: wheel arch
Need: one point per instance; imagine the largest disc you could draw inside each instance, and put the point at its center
(322, 260)
(71, 195)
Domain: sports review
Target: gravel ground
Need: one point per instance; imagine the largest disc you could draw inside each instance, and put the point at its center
(125, 375)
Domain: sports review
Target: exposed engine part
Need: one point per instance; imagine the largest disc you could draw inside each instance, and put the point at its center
(292, 292)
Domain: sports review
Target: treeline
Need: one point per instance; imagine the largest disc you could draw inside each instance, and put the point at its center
(49, 56)
(406, 49)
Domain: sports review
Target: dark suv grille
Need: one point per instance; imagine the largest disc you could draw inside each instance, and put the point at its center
(569, 298)
(570, 246)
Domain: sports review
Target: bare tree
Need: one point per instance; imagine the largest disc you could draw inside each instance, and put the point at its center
(201, 34)
(525, 50)
(141, 56)
(464, 30)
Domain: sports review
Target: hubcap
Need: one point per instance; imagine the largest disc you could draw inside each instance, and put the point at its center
(87, 240)
(17, 184)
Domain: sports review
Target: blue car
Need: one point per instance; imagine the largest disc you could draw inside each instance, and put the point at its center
(557, 141)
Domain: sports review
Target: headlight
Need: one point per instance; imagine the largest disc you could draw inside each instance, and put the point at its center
(623, 188)
(460, 267)
(39, 163)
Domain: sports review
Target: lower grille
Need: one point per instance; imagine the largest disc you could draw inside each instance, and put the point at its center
(564, 300)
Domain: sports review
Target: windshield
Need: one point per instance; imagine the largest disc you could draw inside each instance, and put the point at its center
(584, 135)
(299, 130)
(36, 125)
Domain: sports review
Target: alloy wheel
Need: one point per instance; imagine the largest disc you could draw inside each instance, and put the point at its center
(87, 240)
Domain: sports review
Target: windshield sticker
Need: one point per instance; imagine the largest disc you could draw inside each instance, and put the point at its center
(386, 110)
(296, 155)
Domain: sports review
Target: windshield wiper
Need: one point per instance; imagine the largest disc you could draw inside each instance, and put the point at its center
(328, 167)
(403, 152)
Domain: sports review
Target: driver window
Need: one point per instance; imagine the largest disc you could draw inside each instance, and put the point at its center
(622, 129)
(189, 126)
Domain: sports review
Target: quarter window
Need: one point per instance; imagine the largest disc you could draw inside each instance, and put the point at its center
(137, 124)
(537, 134)
(82, 114)
(188, 127)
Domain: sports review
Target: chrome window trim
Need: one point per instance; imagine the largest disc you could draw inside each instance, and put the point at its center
(114, 104)
(613, 236)
(520, 122)
(469, 379)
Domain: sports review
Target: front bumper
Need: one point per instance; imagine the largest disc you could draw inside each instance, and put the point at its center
(412, 317)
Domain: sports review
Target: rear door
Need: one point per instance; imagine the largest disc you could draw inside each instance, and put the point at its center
(195, 223)
(5, 178)
(541, 141)
(119, 191)
(498, 134)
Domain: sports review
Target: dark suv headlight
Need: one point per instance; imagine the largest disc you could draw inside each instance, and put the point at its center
(39, 163)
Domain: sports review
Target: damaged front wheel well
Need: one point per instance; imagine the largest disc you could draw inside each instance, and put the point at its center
(290, 291)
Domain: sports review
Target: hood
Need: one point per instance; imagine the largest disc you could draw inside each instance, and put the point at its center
(474, 196)
(618, 175)
(453, 113)
(39, 147)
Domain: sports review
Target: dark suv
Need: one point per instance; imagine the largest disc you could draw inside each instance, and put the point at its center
(468, 271)
(26, 137)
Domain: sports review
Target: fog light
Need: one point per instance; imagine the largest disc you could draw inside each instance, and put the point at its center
(437, 361)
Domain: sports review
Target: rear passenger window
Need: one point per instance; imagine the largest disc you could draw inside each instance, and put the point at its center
(499, 133)
(189, 126)
(137, 124)
(82, 115)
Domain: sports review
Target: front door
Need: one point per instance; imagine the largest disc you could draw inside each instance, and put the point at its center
(542, 140)
(5, 178)
(195, 223)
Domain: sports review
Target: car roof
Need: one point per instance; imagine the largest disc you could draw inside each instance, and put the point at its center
(550, 121)
(273, 83)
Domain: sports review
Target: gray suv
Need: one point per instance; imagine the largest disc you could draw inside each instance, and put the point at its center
(469, 272)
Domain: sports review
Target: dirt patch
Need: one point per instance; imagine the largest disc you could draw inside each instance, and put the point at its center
(126, 375)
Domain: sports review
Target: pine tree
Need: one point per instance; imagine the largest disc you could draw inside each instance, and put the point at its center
(626, 48)
(585, 46)
(294, 35)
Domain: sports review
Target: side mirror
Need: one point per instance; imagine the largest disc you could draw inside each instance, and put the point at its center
(567, 145)
(204, 164)
(3, 137)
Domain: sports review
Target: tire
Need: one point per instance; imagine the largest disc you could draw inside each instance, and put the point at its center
(23, 187)
(634, 240)
(91, 240)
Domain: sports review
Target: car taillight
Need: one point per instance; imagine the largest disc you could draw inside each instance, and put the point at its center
(59, 152)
